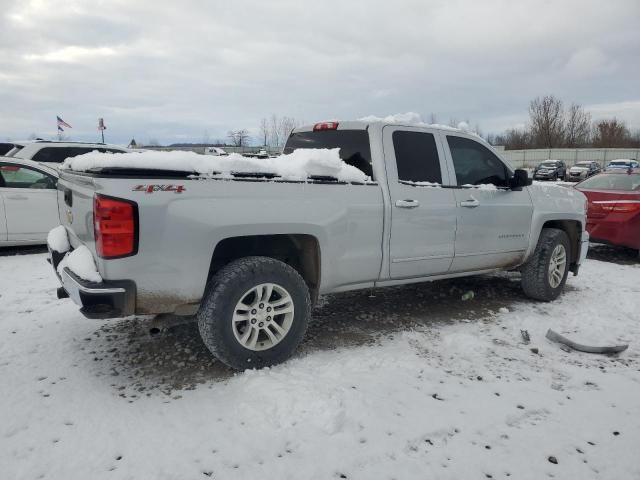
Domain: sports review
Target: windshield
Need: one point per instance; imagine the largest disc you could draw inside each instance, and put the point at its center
(622, 182)
(353, 145)
(619, 163)
(582, 164)
(549, 164)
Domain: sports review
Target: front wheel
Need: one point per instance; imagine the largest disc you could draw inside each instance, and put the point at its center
(545, 273)
(255, 313)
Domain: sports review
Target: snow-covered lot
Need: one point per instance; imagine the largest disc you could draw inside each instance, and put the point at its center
(410, 383)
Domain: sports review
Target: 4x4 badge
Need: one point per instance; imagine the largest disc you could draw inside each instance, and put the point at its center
(159, 188)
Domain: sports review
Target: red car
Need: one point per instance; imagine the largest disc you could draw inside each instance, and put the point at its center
(613, 214)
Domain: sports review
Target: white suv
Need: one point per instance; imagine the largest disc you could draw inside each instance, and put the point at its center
(56, 152)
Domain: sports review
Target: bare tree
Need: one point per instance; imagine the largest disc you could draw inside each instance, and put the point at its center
(547, 122)
(239, 138)
(153, 142)
(264, 131)
(611, 133)
(432, 118)
(513, 139)
(274, 134)
(285, 125)
(577, 127)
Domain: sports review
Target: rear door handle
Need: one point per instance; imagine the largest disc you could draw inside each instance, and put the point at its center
(407, 203)
(471, 203)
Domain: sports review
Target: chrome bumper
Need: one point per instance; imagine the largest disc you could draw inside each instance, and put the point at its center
(107, 299)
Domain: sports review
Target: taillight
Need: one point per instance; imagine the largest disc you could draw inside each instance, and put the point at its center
(325, 126)
(115, 223)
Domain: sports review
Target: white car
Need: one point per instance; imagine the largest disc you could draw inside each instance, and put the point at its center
(28, 202)
(623, 163)
(215, 151)
(56, 152)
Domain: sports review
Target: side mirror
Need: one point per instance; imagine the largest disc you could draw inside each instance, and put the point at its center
(520, 179)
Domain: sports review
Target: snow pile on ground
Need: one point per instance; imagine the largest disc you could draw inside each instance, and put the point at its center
(80, 261)
(57, 239)
(462, 398)
(298, 165)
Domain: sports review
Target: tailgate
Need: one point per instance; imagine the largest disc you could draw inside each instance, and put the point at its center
(75, 208)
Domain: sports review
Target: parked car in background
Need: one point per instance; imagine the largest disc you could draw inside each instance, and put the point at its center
(6, 147)
(623, 163)
(550, 170)
(56, 152)
(215, 151)
(583, 170)
(613, 214)
(28, 202)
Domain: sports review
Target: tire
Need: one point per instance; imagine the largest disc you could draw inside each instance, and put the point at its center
(536, 279)
(221, 317)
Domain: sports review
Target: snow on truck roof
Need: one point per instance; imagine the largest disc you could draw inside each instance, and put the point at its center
(301, 165)
(409, 119)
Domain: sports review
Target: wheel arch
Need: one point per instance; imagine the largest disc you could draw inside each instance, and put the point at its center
(300, 251)
(573, 229)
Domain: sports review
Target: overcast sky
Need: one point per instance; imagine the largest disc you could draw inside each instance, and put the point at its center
(173, 70)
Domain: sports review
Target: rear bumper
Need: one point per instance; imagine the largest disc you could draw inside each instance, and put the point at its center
(107, 299)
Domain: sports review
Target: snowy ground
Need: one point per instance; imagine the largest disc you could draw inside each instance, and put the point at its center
(412, 383)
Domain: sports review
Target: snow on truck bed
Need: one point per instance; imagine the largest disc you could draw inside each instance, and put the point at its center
(299, 165)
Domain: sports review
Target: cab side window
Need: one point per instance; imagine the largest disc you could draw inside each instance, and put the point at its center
(416, 157)
(15, 176)
(475, 164)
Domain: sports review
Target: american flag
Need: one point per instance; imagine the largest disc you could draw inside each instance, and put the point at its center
(62, 123)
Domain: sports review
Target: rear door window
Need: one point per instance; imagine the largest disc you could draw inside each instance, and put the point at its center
(612, 182)
(475, 164)
(416, 157)
(353, 145)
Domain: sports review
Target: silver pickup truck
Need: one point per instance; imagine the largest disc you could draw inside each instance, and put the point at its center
(250, 253)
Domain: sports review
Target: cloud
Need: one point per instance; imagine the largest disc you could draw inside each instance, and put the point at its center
(167, 70)
(590, 61)
(72, 54)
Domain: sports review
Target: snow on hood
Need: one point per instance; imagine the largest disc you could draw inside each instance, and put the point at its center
(298, 165)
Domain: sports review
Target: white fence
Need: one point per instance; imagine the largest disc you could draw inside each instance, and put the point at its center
(531, 158)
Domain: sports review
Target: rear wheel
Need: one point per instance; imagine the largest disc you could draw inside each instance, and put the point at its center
(545, 273)
(255, 313)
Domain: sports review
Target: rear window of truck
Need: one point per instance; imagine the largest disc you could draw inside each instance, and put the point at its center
(353, 145)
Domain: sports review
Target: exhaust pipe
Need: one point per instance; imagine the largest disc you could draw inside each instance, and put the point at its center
(62, 293)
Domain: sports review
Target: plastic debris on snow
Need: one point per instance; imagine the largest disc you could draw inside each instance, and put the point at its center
(80, 261)
(299, 165)
(58, 240)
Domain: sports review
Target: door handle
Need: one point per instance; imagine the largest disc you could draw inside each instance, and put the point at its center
(17, 197)
(471, 203)
(407, 203)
